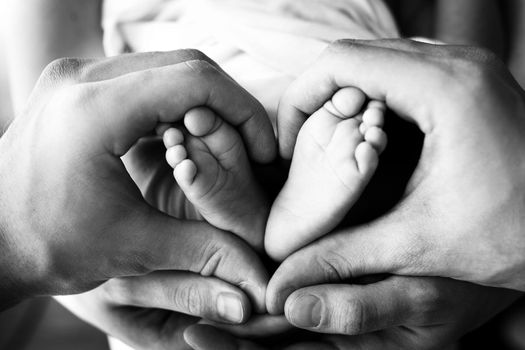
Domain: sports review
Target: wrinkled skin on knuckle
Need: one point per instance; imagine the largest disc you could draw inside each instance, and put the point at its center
(333, 267)
(94, 70)
(63, 70)
(191, 298)
(211, 253)
(201, 67)
(350, 317)
(138, 262)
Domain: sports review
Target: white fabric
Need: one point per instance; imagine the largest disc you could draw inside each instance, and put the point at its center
(263, 44)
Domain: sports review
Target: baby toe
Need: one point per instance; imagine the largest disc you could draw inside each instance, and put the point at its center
(366, 158)
(175, 155)
(377, 138)
(374, 117)
(201, 121)
(346, 102)
(172, 137)
(376, 104)
(185, 172)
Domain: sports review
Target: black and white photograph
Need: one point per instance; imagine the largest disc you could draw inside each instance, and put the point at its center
(262, 174)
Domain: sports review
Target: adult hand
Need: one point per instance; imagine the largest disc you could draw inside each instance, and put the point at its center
(71, 215)
(394, 313)
(463, 212)
(153, 311)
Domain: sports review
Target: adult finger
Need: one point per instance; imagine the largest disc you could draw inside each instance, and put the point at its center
(84, 70)
(113, 67)
(391, 339)
(258, 326)
(357, 309)
(121, 113)
(183, 292)
(140, 328)
(155, 241)
(387, 71)
(441, 51)
(205, 337)
(396, 243)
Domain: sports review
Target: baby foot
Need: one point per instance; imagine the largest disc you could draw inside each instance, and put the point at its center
(212, 169)
(334, 158)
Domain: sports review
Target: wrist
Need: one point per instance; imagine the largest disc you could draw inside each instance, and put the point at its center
(14, 267)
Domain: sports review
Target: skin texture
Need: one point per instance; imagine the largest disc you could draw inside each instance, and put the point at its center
(335, 157)
(395, 313)
(403, 312)
(471, 112)
(395, 309)
(212, 169)
(80, 219)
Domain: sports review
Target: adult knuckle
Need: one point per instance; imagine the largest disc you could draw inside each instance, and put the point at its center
(138, 262)
(91, 70)
(212, 254)
(63, 69)
(188, 297)
(350, 319)
(195, 55)
(130, 259)
(200, 67)
(333, 266)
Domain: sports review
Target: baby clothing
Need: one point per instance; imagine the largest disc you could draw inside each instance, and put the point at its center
(262, 44)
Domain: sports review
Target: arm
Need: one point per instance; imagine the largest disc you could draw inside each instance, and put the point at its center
(39, 31)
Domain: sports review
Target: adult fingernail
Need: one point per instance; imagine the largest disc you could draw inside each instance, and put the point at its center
(305, 311)
(230, 308)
